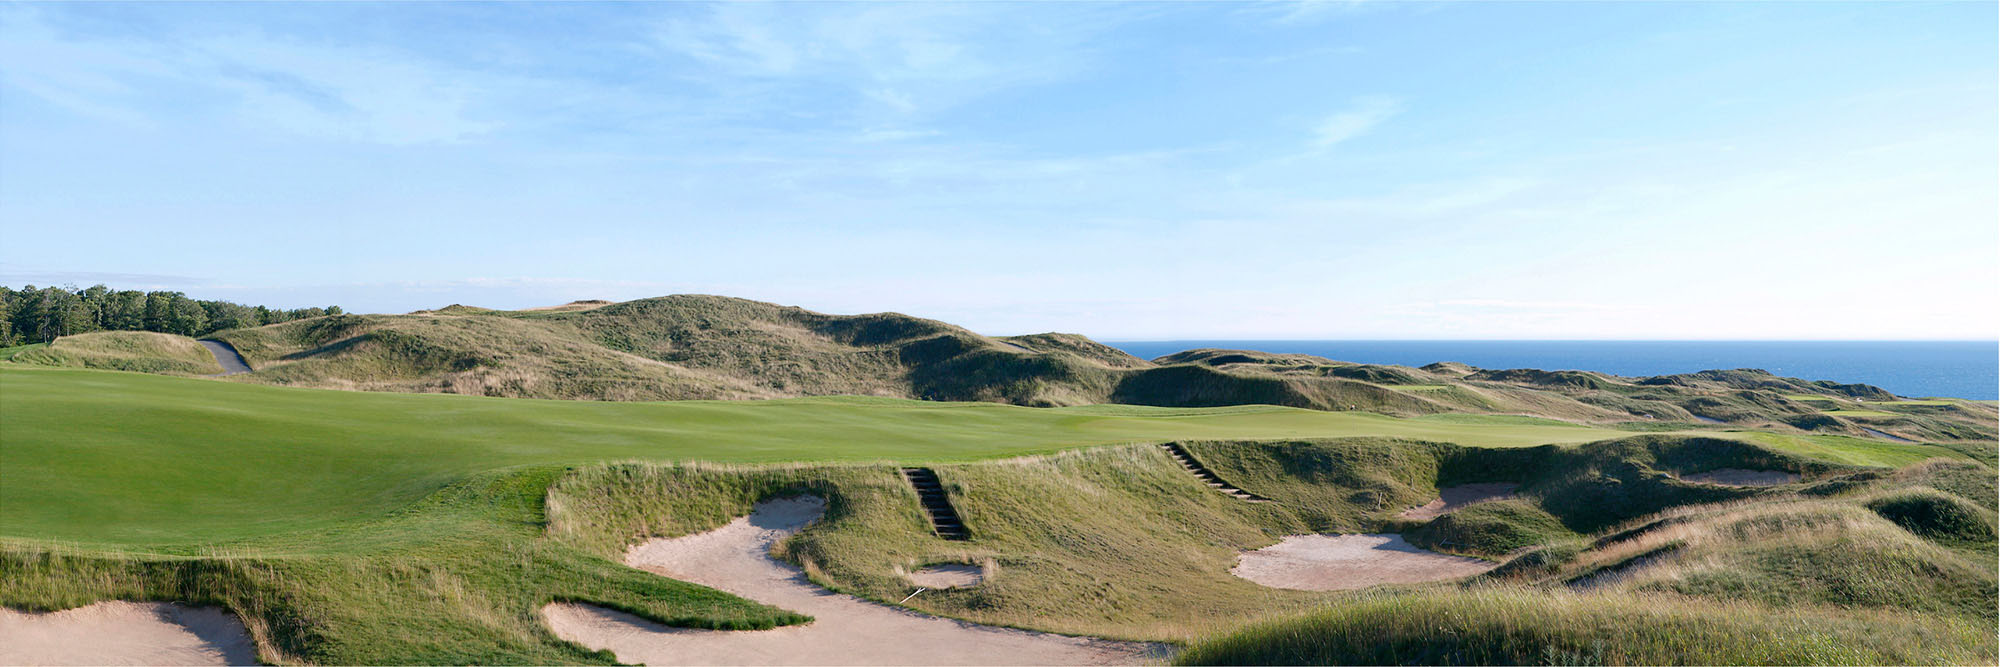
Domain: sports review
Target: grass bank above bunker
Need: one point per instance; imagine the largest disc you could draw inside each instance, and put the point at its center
(1115, 541)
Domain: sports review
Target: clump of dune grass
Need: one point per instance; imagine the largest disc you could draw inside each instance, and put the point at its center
(1511, 626)
(1933, 513)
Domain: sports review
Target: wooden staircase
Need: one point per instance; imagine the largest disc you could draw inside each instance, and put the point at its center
(930, 494)
(1202, 473)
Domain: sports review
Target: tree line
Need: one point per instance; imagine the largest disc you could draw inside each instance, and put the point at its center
(42, 314)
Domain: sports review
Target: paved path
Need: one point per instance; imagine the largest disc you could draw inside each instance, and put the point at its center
(225, 354)
(845, 631)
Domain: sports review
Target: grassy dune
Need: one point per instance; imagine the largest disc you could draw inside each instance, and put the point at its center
(1851, 566)
(143, 460)
(1511, 626)
(699, 347)
(141, 351)
(352, 527)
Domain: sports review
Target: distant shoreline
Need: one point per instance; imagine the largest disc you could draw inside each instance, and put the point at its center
(1954, 369)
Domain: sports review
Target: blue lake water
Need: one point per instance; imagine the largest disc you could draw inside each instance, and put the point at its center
(1962, 369)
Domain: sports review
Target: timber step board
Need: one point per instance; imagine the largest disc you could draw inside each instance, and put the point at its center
(1201, 472)
(936, 504)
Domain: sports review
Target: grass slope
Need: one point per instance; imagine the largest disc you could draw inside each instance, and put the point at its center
(1504, 626)
(141, 351)
(688, 347)
(131, 459)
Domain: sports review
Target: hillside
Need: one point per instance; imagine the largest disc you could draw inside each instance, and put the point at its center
(711, 347)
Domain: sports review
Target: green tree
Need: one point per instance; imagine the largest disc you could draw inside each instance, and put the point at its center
(158, 312)
(186, 317)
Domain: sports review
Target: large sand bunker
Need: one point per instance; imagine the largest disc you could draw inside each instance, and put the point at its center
(845, 631)
(1742, 477)
(125, 633)
(1349, 562)
(1454, 497)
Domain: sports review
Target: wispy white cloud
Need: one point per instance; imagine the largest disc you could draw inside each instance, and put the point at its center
(323, 91)
(1365, 113)
(903, 58)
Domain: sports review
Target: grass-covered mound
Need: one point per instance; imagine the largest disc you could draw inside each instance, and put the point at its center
(1936, 514)
(127, 459)
(1511, 626)
(454, 579)
(141, 351)
(1358, 485)
(1832, 547)
(711, 347)
(1491, 529)
(1116, 541)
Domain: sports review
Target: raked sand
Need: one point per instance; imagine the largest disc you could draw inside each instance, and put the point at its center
(845, 631)
(1349, 562)
(125, 633)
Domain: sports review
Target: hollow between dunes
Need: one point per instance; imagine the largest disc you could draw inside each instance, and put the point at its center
(845, 631)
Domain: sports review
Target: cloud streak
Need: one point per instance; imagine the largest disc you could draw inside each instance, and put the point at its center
(1365, 113)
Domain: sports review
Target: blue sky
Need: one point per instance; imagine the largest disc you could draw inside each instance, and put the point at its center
(1127, 171)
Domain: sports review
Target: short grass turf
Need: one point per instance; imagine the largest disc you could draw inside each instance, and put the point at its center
(133, 460)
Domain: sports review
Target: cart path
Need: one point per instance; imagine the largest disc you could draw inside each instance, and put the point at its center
(226, 355)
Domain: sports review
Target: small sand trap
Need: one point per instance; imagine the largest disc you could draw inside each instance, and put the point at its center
(125, 633)
(845, 630)
(1454, 497)
(1349, 562)
(1742, 477)
(948, 576)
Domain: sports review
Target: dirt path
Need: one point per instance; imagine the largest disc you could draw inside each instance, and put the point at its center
(846, 630)
(1454, 497)
(225, 354)
(1349, 562)
(125, 633)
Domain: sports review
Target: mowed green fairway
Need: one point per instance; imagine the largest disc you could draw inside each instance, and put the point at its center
(123, 460)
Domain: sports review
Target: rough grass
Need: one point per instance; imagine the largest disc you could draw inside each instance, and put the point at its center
(1935, 514)
(126, 459)
(455, 579)
(1113, 541)
(1504, 626)
(1490, 529)
(688, 347)
(1120, 541)
(141, 351)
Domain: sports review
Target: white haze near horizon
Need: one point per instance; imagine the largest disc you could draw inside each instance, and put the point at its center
(1127, 171)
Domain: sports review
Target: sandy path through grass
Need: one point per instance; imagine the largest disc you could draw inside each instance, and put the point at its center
(845, 631)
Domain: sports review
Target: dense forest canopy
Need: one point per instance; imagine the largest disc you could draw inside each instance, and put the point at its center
(41, 314)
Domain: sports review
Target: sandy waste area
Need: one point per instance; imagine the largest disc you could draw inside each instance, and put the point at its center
(846, 630)
(125, 633)
(1349, 562)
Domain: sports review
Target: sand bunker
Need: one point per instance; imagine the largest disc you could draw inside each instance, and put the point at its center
(1742, 477)
(947, 576)
(1886, 435)
(1349, 562)
(846, 630)
(1454, 497)
(125, 633)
